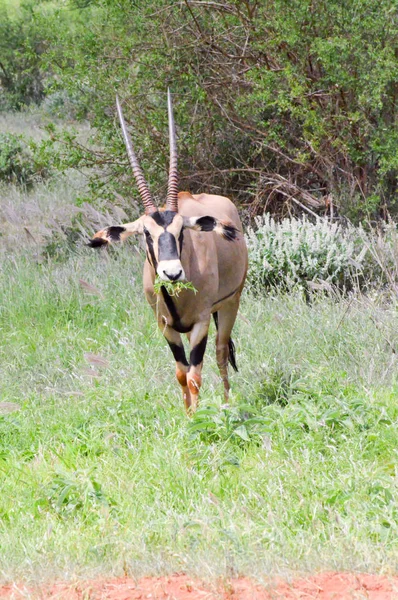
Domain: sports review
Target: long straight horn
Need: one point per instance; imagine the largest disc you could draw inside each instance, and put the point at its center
(172, 188)
(138, 174)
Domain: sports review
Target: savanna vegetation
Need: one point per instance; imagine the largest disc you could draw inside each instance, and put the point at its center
(288, 107)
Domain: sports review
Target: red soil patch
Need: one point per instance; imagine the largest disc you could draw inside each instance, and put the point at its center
(326, 586)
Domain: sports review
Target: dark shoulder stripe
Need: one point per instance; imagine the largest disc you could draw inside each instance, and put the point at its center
(225, 297)
(177, 325)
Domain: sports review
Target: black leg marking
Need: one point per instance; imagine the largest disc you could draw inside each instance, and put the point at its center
(215, 317)
(178, 353)
(197, 352)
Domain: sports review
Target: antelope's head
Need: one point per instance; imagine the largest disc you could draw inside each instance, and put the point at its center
(163, 229)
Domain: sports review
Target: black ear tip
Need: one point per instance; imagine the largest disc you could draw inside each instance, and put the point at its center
(97, 243)
(230, 233)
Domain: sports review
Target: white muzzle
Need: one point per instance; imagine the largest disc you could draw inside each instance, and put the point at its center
(171, 270)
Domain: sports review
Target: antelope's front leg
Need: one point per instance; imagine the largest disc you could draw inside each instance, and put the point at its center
(176, 346)
(197, 342)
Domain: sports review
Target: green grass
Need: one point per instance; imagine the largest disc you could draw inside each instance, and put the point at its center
(102, 472)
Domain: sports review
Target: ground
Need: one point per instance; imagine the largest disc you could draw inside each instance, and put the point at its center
(326, 586)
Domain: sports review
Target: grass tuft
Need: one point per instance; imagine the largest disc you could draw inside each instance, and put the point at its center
(173, 288)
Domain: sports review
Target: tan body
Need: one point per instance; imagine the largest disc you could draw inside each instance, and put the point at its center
(217, 269)
(197, 239)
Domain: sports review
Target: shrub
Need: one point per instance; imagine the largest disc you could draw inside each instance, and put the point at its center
(22, 43)
(295, 251)
(63, 105)
(71, 492)
(304, 115)
(239, 424)
(17, 162)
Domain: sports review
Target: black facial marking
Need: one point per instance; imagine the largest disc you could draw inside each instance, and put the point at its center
(167, 247)
(149, 258)
(164, 218)
(97, 243)
(149, 243)
(114, 232)
(197, 352)
(178, 353)
(180, 240)
(177, 325)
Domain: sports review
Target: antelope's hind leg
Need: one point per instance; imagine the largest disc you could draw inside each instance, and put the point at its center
(176, 346)
(225, 350)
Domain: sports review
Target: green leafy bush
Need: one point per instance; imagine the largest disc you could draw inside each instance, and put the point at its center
(295, 251)
(69, 492)
(63, 105)
(22, 43)
(17, 164)
(304, 115)
(285, 104)
(238, 424)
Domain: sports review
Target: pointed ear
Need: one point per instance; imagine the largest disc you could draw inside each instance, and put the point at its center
(226, 230)
(116, 233)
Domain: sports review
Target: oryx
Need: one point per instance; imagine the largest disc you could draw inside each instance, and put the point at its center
(196, 238)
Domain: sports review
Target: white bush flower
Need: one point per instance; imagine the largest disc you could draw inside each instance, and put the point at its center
(295, 251)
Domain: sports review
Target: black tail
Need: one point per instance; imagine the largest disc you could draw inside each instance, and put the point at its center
(231, 346)
(231, 356)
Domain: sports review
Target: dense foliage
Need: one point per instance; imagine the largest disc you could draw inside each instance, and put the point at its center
(22, 43)
(282, 104)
